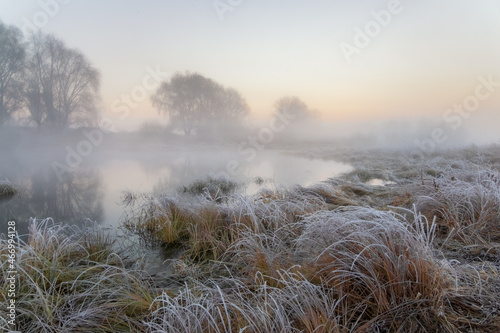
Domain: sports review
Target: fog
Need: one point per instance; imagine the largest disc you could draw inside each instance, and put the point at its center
(83, 173)
(70, 160)
(71, 176)
(249, 166)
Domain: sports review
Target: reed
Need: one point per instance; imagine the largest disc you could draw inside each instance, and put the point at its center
(7, 190)
(341, 256)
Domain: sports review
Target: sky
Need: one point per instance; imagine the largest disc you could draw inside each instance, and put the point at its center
(351, 60)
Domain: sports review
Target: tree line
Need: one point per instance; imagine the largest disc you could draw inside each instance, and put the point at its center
(49, 85)
(46, 83)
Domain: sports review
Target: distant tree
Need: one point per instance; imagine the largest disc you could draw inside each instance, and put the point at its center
(192, 100)
(294, 106)
(12, 61)
(62, 87)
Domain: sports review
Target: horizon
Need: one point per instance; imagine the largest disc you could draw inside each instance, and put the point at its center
(231, 165)
(367, 61)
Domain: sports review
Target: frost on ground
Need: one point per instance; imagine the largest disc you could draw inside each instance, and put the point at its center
(417, 251)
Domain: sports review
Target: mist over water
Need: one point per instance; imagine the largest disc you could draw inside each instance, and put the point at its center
(230, 166)
(105, 164)
(37, 165)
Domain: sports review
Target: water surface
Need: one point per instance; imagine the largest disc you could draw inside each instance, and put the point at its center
(95, 189)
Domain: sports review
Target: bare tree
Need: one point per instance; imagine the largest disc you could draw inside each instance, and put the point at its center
(294, 107)
(192, 100)
(34, 100)
(12, 59)
(62, 85)
(230, 105)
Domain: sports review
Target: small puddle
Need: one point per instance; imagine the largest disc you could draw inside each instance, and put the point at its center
(380, 182)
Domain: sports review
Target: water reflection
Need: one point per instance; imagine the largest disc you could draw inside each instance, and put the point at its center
(77, 197)
(268, 169)
(186, 168)
(95, 190)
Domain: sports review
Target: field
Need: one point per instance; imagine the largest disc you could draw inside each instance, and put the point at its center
(403, 243)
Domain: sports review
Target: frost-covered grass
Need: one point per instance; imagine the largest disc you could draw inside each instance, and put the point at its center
(419, 254)
(466, 202)
(74, 280)
(207, 228)
(348, 269)
(7, 190)
(213, 188)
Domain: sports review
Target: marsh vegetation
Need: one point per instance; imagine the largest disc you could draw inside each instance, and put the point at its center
(417, 251)
(7, 190)
(140, 191)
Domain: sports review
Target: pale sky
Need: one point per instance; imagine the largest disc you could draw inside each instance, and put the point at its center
(424, 58)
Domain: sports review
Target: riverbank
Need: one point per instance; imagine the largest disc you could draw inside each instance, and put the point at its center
(401, 243)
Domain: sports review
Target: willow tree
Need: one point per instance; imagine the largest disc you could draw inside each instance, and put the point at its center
(191, 101)
(62, 86)
(12, 60)
(295, 108)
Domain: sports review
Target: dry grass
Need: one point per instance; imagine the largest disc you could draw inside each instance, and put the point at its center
(321, 259)
(213, 188)
(74, 280)
(7, 190)
(466, 203)
(342, 256)
(207, 228)
(353, 270)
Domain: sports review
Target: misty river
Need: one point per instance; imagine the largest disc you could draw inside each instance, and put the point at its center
(95, 189)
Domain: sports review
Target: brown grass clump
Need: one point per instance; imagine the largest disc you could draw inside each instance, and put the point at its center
(466, 204)
(7, 190)
(75, 280)
(384, 274)
(158, 221)
(331, 257)
(207, 228)
(403, 200)
(375, 270)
